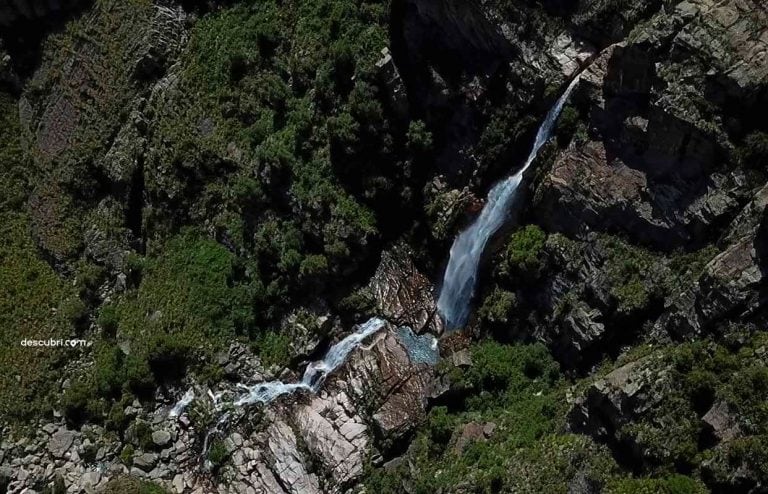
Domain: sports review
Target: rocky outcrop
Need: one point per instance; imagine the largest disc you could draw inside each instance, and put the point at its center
(733, 283)
(721, 422)
(298, 445)
(652, 166)
(611, 401)
(403, 294)
(373, 402)
(77, 121)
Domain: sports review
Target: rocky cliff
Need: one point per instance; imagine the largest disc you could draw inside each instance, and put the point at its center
(212, 197)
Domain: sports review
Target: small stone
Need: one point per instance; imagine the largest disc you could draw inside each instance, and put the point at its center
(237, 439)
(137, 472)
(488, 429)
(462, 358)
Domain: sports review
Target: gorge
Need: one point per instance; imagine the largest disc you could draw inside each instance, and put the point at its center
(396, 247)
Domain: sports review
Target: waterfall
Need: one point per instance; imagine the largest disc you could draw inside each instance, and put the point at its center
(461, 274)
(316, 372)
(183, 403)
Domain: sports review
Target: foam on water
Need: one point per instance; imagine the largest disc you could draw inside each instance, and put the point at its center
(316, 372)
(461, 274)
(183, 403)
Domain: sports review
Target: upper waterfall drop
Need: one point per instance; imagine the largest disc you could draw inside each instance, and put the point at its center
(461, 274)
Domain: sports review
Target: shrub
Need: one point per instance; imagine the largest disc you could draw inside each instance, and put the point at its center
(132, 485)
(80, 403)
(273, 348)
(217, 453)
(566, 125)
(673, 484)
(73, 310)
(108, 319)
(498, 306)
(419, 138)
(523, 253)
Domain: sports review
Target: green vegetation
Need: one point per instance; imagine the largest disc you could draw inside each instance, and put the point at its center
(275, 134)
(567, 125)
(132, 485)
(217, 454)
(630, 274)
(273, 348)
(523, 254)
(126, 455)
(498, 306)
(517, 388)
(673, 484)
(30, 308)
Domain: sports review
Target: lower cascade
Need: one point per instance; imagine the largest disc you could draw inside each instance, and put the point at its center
(461, 274)
(316, 372)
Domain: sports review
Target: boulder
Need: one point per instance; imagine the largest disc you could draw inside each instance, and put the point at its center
(60, 442)
(721, 422)
(161, 438)
(613, 401)
(145, 461)
(470, 433)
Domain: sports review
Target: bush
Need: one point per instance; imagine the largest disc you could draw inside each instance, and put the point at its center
(273, 348)
(419, 138)
(132, 485)
(498, 306)
(217, 453)
(673, 484)
(567, 125)
(80, 404)
(108, 319)
(523, 253)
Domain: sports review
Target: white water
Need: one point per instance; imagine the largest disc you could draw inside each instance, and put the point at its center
(183, 403)
(461, 274)
(316, 372)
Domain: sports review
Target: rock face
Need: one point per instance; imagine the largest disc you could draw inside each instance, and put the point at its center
(59, 123)
(375, 400)
(609, 408)
(651, 166)
(733, 284)
(403, 294)
(721, 423)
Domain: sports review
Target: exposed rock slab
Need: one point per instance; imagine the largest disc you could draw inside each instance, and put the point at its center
(403, 294)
